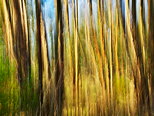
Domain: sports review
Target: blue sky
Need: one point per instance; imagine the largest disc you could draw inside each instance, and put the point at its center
(48, 7)
(49, 11)
(49, 17)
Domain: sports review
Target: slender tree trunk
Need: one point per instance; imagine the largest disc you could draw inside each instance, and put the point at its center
(59, 60)
(39, 53)
(151, 47)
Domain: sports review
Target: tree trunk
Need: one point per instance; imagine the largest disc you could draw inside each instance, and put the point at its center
(59, 60)
(39, 53)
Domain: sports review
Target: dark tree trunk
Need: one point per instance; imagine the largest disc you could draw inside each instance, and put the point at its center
(39, 52)
(59, 60)
(151, 47)
(122, 9)
(90, 7)
(20, 47)
(29, 45)
(20, 42)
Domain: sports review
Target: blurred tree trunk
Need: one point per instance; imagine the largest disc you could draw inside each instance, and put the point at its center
(135, 33)
(133, 26)
(90, 7)
(134, 12)
(20, 40)
(59, 59)
(122, 9)
(140, 51)
(47, 48)
(151, 47)
(39, 52)
(75, 54)
(29, 41)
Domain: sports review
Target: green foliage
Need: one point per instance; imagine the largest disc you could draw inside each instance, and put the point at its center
(9, 88)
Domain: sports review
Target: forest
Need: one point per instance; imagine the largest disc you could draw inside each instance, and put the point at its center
(76, 57)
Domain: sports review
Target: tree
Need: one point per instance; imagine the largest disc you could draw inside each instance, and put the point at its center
(59, 58)
(39, 52)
